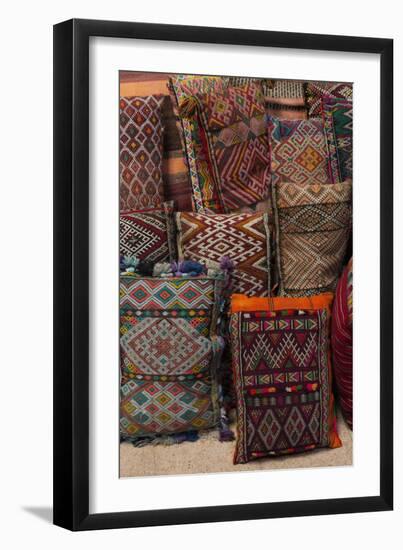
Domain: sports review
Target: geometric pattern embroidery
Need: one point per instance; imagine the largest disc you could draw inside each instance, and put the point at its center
(146, 235)
(182, 87)
(141, 150)
(169, 352)
(312, 237)
(164, 294)
(298, 151)
(233, 126)
(315, 91)
(338, 123)
(245, 238)
(161, 346)
(275, 416)
(165, 407)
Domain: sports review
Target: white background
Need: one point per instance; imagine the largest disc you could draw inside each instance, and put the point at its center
(26, 185)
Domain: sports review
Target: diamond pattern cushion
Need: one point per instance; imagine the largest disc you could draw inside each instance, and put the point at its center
(282, 376)
(338, 123)
(313, 226)
(245, 238)
(342, 342)
(314, 92)
(141, 150)
(298, 151)
(148, 234)
(232, 127)
(169, 354)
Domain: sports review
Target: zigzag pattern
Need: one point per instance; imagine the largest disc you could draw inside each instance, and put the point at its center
(237, 144)
(338, 124)
(144, 235)
(313, 238)
(165, 294)
(165, 407)
(141, 151)
(281, 380)
(315, 91)
(244, 238)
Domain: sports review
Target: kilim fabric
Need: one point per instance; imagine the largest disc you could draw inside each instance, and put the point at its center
(148, 234)
(141, 149)
(170, 351)
(282, 376)
(342, 342)
(298, 151)
(314, 92)
(233, 130)
(245, 238)
(313, 227)
(283, 98)
(338, 123)
(174, 170)
(204, 192)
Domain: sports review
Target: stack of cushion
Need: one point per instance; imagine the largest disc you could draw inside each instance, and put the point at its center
(268, 166)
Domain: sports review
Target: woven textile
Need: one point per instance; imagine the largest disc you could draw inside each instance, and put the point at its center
(148, 234)
(174, 170)
(338, 123)
(232, 127)
(169, 354)
(141, 149)
(283, 98)
(182, 87)
(313, 226)
(342, 342)
(282, 376)
(298, 151)
(245, 238)
(314, 92)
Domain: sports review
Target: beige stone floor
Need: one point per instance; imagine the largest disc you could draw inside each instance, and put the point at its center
(210, 455)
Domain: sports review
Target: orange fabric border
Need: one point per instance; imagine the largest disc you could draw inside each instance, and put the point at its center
(241, 302)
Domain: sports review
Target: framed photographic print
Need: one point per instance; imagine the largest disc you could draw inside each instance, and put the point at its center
(205, 226)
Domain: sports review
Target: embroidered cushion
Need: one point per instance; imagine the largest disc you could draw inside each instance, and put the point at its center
(298, 151)
(232, 127)
(342, 342)
(313, 227)
(245, 238)
(148, 234)
(314, 92)
(170, 351)
(282, 375)
(141, 150)
(182, 87)
(283, 98)
(338, 123)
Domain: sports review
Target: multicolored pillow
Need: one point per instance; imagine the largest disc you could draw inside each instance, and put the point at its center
(245, 238)
(141, 151)
(282, 375)
(338, 123)
(314, 92)
(283, 98)
(313, 227)
(182, 87)
(170, 350)
(298, 151)
(148, 234)
(342, 342)
(232, 127)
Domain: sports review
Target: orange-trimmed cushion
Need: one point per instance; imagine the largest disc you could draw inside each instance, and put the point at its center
(282, 375)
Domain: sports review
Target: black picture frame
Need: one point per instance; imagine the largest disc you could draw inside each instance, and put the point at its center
(71, 274)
